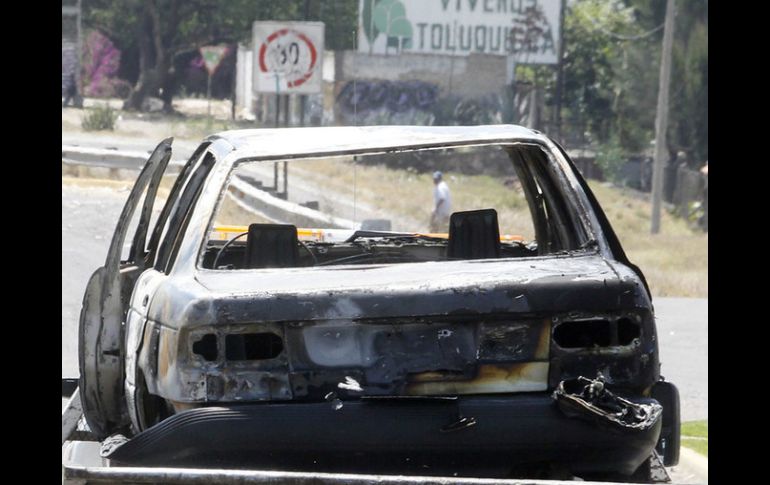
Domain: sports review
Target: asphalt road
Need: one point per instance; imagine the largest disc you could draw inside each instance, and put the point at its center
(684, 339)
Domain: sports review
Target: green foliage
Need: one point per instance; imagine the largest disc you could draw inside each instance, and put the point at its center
(689, 111)
(612, 61)
(610, 158)
(101, 117)
(594, 64)
(697, 429)
(693, 434)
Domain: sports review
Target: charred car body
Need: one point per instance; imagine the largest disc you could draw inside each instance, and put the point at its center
(471, 352)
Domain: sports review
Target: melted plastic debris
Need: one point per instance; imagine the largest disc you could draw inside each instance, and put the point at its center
(589, 399)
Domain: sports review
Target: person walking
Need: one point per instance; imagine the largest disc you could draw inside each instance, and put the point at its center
(442, 209)
(72, 92)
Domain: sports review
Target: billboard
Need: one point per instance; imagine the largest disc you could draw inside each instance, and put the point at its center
(288, 57)
(527, 29)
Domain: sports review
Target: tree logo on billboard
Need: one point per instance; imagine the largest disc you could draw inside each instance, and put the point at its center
(387, 17)
(289, 54)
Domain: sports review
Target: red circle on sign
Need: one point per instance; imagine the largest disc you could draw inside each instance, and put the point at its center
(272, 44)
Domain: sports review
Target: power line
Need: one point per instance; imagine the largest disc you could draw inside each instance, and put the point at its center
(627, 37)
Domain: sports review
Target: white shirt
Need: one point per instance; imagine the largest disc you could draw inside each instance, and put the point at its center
(441, 192)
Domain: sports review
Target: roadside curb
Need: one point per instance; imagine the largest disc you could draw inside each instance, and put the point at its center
(694, 463)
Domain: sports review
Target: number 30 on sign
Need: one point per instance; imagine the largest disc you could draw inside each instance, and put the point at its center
(288, 57)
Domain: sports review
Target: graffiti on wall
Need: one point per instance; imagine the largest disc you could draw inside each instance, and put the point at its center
(379, 102)
(414, 102)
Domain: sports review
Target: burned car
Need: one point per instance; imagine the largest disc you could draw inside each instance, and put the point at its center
(287, 306)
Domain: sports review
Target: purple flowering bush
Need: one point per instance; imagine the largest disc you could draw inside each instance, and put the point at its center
(101, 60)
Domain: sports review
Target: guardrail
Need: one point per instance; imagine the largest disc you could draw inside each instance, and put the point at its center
(123, 165)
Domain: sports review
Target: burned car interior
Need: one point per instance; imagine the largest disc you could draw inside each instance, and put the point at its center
(298, 306)
(471, 234)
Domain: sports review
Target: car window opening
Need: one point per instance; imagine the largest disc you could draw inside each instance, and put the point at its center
(461, 203)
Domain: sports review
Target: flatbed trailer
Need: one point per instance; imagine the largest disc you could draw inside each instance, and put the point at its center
(82, 463)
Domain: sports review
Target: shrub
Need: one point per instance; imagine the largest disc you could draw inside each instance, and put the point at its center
(100, 118)
(610, 159)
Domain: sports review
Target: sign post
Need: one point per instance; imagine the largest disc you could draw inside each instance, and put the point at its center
(212, 57)
(288, 57)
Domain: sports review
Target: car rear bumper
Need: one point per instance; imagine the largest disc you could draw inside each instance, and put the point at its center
(414, 436)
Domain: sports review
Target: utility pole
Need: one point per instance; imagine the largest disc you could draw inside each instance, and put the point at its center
(303, 97)
(661, 116)
(560, 73)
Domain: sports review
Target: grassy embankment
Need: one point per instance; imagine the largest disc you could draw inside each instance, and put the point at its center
(695, 435)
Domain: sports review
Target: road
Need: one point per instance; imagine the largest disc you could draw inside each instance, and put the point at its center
(684, 339)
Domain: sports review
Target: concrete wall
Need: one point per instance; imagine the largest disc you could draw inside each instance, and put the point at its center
(244, 98)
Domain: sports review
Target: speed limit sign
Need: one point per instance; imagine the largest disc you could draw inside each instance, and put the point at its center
(288, 57)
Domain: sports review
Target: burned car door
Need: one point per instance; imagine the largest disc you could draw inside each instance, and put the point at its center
(144, 408)
(105, 302)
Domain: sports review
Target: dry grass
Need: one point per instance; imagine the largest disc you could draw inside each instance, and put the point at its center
(231, 214)
(406, 197)
(675, 261)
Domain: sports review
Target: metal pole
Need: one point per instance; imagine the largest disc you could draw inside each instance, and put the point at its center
(286, 180)
(277, 104)
(560, 73)
(208, 93)
(234, 85)
(79, 95)
(514, 109)
(275, 177)
(277, 125)
(303, 97)
(286, 114)
(277, 110)
(661, 116)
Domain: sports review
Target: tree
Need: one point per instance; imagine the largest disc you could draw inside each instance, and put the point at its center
(688, 111)
(160, 32)
(612, 54)
(594, 84)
